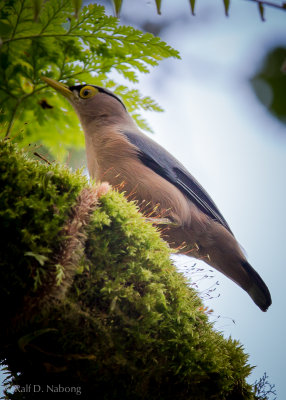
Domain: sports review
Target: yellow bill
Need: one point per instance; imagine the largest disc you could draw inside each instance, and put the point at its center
(60, 87)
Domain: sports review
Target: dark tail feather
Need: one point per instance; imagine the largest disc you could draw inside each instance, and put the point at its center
(258, 291)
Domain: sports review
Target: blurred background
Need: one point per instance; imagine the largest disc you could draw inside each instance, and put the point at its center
(224, 119)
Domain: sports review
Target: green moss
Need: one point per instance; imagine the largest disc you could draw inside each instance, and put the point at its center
(129, 326)
(34, 203)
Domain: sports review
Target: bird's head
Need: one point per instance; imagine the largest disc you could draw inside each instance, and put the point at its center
(92, 103)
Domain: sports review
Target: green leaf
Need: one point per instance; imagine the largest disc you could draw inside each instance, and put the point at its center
(226, 4)
(158, 5)
(60, 274)
(5, 28)
(77, 5)
(269, 83)
(69, 49)
(261, 11)
(39, 257)
(37, 4)
(117, 6)
(192, 3)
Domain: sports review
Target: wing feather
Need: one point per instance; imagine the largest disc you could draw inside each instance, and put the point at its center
(164, 164)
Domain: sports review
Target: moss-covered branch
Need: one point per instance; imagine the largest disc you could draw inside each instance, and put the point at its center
(90, 300)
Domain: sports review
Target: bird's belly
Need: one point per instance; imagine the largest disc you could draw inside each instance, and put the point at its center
(194, 233)
(154, 194)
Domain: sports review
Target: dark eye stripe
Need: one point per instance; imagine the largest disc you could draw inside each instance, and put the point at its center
(100, 89)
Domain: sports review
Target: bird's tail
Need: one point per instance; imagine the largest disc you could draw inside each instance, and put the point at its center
(218, 248)
(258, 291)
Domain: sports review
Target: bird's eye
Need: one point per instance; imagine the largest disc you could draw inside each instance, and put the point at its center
(87, 92)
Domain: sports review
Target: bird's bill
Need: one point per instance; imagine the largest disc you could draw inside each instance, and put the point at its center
(60, 87)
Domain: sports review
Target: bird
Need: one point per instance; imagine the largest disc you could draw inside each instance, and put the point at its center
(119, 153)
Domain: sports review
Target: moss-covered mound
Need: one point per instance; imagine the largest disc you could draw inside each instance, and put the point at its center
(91, 305)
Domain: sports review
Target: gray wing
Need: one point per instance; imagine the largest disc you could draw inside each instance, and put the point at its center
(164, 164)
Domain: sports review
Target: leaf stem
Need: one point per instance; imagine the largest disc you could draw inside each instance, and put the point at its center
(12, 117)
(52, 18)
(19, 101)
(118, 37)
(18, 19)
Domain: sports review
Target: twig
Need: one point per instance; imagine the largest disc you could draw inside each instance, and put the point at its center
(270, 4)
(42, 157)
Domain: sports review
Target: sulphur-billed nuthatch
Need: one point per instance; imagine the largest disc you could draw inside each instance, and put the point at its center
(119, 153)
